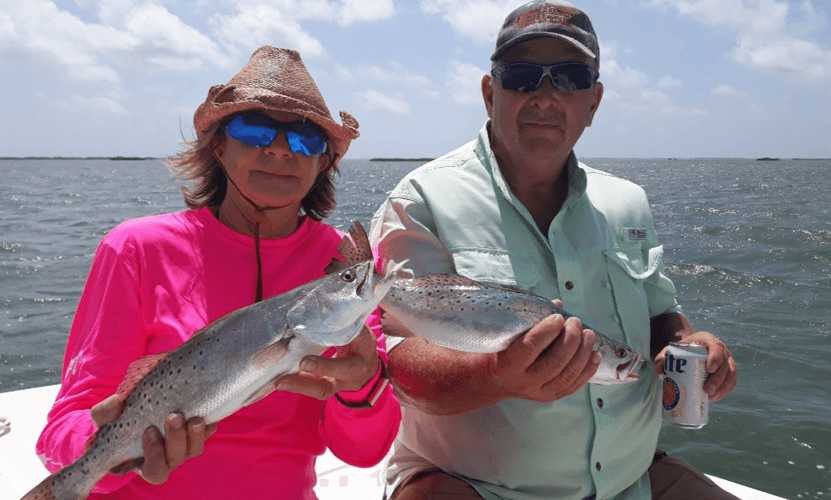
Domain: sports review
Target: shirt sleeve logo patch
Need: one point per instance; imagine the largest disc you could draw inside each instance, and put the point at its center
(636, 233)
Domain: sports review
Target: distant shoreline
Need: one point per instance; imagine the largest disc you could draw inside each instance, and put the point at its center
(115, 158)
(402, 159)
(145, 158)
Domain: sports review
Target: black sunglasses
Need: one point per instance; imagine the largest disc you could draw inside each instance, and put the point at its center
(527, 77)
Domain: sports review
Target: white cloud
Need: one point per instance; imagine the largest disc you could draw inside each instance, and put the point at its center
(168, 43)
(653, 100)
(46, 35)
(97, 103)
(374, 101)
(144, 36)
(365, 10)
(396, 73)
(478, 20)
(767, 37)
(278, 22)
(612, 72)
(670, 82)
(465, 83)
(266, 25)
(726, 90)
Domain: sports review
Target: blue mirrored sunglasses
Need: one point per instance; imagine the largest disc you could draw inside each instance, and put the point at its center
(259, 131)
(527, 77)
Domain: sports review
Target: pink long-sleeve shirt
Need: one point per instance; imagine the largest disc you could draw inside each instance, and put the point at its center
(154, 282)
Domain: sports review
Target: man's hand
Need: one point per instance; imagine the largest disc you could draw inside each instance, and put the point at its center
(351, 367)
(721, 367)
(552, 360)
(162, 454)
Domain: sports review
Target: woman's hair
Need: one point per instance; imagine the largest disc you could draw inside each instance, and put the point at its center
(204, 183)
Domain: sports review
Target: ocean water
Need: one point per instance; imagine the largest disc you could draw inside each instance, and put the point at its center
(748, 244)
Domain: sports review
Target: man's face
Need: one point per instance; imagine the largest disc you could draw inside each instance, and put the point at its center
(539, 127)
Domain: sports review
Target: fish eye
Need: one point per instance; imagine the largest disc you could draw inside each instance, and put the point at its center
(348, 276)
(621, 352)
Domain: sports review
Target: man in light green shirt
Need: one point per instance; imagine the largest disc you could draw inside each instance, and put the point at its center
(514, 207)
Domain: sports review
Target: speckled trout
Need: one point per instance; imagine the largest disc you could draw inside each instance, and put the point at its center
(231, 363)
(465, 315)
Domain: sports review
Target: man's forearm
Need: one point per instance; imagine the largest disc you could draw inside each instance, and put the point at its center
(441, 381)
(666, 328)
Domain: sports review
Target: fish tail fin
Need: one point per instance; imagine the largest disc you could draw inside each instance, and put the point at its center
(69, 483)
(43, 491)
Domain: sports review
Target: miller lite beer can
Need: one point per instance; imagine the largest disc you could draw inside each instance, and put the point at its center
(685, 402)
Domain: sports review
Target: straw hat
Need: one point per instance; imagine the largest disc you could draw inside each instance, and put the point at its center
(275, 79)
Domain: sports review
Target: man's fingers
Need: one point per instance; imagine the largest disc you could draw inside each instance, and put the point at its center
(723, 381)
(525, 350)
(589, 369)
(107, 411)
(556, 359)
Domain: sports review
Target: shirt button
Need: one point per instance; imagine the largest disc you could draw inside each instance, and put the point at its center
(569, 285)
(599, 403)
(598, 466)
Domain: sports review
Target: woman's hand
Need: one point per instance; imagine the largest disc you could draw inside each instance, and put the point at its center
(351, 367)
(162, 454)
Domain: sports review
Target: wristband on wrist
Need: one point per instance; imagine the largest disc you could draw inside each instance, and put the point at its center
(374, 393)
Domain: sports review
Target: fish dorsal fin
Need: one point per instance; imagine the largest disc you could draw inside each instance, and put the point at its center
(355, 248)
(444, 280)
(518, 290)
(136, 371)
(335, 266)
(361, 241)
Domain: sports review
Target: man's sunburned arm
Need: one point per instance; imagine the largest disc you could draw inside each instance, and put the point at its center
(441, 381)
(550, 361)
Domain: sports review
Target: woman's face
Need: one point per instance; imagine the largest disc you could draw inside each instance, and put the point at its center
(271, 176)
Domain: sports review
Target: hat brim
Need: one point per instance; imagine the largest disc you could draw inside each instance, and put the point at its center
(224, 101)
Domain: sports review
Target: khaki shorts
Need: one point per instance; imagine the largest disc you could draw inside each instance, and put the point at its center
(671, 479)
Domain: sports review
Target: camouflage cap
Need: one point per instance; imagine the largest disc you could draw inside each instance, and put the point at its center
(547, 18)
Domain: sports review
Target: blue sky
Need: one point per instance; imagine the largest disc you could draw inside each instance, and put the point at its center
(683, 78)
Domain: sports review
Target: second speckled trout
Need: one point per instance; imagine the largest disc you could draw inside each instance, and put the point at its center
(464, 315)
(231, 363)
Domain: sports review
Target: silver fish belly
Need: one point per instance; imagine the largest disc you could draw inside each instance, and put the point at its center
(228, 364)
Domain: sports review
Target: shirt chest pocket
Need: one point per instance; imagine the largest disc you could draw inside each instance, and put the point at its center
(628, 270)
(499, 268)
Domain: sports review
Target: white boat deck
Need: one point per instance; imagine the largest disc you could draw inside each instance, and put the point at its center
(20, 469)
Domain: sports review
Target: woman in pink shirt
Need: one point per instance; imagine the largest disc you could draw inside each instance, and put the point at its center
(258, 182)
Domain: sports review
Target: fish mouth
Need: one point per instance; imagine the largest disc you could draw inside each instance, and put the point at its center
(628, 371)
(367, 280)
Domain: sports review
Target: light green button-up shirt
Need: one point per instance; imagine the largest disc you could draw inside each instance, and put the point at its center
(601, 257)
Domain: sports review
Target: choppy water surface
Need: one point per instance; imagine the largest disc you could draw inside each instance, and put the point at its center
(748, 245)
